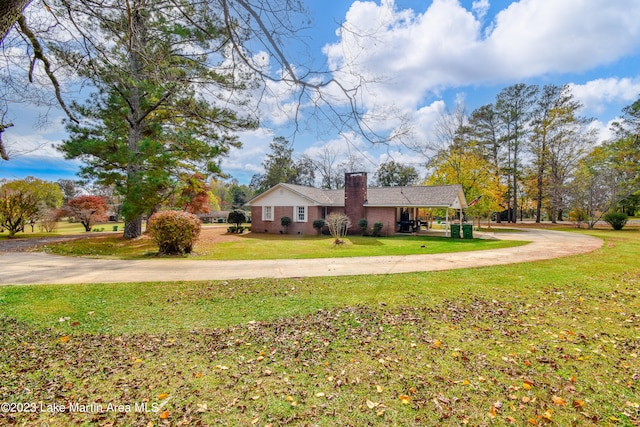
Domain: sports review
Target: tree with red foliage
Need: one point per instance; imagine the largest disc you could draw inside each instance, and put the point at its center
(195, 195)
(87, 210)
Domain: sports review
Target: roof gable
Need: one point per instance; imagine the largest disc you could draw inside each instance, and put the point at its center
(285, 194)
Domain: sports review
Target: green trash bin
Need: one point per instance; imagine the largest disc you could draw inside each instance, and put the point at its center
(455, 231)
(115, 228)
(467, 231)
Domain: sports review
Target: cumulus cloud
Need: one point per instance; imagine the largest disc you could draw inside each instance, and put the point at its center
(596, 94)
(405, 55)
(534, 37)
(248, 159)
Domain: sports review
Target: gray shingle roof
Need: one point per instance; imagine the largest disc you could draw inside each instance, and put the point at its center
(318, 195)
(413, 196)
(422, 196)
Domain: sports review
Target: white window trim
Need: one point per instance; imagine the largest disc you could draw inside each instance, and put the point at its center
(296, 213)
(264, 213)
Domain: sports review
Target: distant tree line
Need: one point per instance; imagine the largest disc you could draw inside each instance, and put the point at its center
(531, 153)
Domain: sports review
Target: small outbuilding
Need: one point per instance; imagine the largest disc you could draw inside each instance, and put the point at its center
(395, 207)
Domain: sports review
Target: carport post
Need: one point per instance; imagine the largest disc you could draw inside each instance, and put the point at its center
(446, 221)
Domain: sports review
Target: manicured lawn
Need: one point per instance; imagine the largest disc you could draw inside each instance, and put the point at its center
(546, 343)
(63, 228)
(275, 246)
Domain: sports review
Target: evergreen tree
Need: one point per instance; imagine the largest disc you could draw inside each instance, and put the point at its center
(146, 125)
(394, 174)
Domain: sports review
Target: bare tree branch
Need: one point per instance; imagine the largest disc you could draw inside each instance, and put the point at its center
(38, 53)
(3, 151)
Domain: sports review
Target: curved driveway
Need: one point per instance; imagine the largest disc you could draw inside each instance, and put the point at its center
(41, 268)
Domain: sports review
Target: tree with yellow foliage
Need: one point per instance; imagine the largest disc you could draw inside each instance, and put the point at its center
(475, 174)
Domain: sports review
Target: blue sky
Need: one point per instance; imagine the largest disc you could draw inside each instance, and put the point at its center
(424, 56)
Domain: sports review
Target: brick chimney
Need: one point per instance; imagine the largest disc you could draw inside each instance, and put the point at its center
(355, 196)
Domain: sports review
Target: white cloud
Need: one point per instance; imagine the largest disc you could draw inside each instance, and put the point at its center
(603, 131)
(406, 56)
(534, 37)
(248, 159)
(595, 94)
(480, 8)
(35, 134)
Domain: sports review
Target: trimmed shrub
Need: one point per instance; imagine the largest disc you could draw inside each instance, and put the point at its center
(175, 232)
(237, 217)
(318, 224)
(377, 227)
(364, 225)
(616, 220)
(285, 221)
(236, 229)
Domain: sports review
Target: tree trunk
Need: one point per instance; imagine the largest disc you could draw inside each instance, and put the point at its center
(540, 182)
(514, 214)
(10, 11)
(133, 229)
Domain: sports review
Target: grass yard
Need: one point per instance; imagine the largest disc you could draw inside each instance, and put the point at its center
(63, 228)
(551, 343)
(216, 244)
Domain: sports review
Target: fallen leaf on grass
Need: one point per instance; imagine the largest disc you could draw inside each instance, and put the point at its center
(577, 404)
(371, 404)
(558, 401)
(164, 415)
(493, 412)
(405, 399)
(64, 339)
(163, 396)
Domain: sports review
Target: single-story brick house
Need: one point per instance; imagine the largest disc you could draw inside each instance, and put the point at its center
(395, 207)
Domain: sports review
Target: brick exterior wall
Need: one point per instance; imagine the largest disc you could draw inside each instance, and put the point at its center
(387, 216)
(260, 226)
(355, 195)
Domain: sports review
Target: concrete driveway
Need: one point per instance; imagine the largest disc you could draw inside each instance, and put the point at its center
(41, 268)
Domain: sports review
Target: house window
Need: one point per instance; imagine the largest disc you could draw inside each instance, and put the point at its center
(267, 213)
(300, 213)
